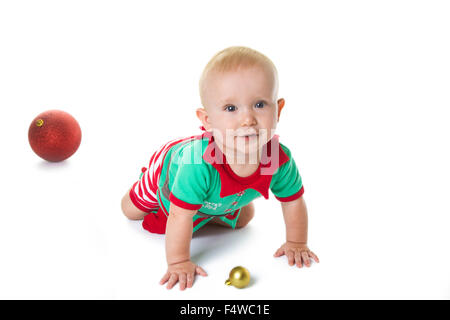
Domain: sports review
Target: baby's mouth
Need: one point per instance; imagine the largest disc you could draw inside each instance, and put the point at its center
(248, 136)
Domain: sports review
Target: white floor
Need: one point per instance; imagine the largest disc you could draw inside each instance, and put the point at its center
(63, 236)
(366, 118)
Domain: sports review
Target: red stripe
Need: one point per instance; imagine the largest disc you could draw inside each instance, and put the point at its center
(136, 201)
(162, 205)
(139, 197)
(151, 159)
(232, 216)
(152, 183)
(142, 203)
(140, 190)
(155, 176)
(196, 222)
(295, 196)
(158, 153)
(182, 204)
(154, 179)
(144, 187)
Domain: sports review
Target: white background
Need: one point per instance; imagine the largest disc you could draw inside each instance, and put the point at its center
(366, 85)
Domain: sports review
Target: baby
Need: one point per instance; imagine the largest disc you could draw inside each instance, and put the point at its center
(213, 177)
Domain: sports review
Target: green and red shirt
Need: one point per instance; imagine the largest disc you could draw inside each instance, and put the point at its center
(193, 174)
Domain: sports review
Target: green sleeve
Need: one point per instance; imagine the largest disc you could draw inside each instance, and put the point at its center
(286, 181)
(191, 180)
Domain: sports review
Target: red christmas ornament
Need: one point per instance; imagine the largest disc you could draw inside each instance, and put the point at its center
(54, 135)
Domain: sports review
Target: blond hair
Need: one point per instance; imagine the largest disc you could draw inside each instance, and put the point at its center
(231, 59)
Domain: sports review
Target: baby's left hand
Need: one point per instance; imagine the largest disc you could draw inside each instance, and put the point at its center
(297, 253)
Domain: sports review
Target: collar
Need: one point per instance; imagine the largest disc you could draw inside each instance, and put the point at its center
(272, 158)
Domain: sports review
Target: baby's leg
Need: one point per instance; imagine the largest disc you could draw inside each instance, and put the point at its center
(130, 210)
(247, 213)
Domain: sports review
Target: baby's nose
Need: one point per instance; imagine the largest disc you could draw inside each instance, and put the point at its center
(248, 119)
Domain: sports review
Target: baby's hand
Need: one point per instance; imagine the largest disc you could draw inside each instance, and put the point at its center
(297, 253)
(183, 272)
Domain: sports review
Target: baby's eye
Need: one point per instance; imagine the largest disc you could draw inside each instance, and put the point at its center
(259, 104)
(230, 108)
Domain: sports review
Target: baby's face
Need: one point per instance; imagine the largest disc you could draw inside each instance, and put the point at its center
(241, 108)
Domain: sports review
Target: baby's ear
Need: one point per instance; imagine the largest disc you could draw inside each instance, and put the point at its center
(280, 103)
(203, 117)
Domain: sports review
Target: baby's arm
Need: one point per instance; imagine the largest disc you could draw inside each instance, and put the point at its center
(178, 239)
(296, 219)
(295, 248)
(178, 234)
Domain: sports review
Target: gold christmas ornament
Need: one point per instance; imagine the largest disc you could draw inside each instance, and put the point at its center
(239, 277)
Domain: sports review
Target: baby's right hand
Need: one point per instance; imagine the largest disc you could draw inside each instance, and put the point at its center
(183, 272)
